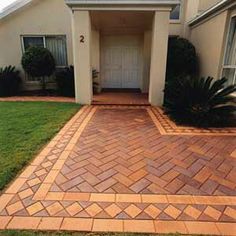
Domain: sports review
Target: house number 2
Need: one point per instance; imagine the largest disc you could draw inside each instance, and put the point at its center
(81, 38)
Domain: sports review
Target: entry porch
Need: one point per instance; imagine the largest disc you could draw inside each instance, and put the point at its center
(121, 97)
(125, 42)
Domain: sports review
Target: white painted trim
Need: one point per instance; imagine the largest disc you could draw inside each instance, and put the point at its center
(217, 7)
(122, 2)
(14, 7)
(32, 36)
(225, 66)
(120, 8)
(123, 5)
(97, 5)
(229, 67)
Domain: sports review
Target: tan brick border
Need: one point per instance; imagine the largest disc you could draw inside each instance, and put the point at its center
(154, 112)
(141, 198)
(48, 181)
(106, 225)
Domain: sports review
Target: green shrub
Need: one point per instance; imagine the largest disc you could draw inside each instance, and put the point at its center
(66, 82)
(200, 102)
(38, 62)
(9, 81)
(182, 58)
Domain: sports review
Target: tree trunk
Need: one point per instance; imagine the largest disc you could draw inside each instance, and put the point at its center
(44, 85)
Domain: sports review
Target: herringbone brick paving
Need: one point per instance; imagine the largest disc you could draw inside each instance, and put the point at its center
(121, 151)
(111, 169)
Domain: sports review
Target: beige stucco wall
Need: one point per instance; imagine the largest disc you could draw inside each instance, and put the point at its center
(49, 17)
(176, 27)
(208, 38)
(53, 17)
(42, 17)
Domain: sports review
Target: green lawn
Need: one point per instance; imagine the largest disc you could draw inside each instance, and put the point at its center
(25, 127)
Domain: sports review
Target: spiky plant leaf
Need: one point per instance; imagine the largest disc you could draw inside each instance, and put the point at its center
(200, 101)
(9, 81)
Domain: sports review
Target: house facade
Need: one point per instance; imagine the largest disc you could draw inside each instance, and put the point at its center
(125, 40)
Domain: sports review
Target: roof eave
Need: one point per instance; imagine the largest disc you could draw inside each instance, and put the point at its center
(74, 3)
(13, 8)
(209, 12)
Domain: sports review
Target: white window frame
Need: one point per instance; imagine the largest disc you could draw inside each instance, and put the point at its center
(224, 66)
(230, 67)
(178, 21)
(44, 44)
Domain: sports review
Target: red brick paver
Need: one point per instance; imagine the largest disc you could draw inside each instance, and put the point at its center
(112, 169)
(121, 151)
(118, 98)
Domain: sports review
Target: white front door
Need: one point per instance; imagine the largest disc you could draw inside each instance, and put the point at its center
(121, 61)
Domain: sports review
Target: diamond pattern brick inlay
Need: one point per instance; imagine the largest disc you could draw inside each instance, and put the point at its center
(113, 210)
(15, 208)
(212, 212)
(54, 208)
(152, 211)
(127, 168)
(74, 209)
(133, 211)
(172, 212)
(93, 210)
(35, 208)
(192, 211)
(26, 193)
(34, 182)
(230, 212)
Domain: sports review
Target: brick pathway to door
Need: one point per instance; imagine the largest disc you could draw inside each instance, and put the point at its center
(127, 169)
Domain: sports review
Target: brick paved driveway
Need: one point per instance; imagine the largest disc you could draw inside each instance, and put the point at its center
(114, 169)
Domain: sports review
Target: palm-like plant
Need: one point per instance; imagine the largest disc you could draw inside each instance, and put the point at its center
(65, 79)
(9, 81)
(200, 102)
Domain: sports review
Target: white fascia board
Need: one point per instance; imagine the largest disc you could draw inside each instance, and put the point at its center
(14, 7)
(209, 12)
(121, 2)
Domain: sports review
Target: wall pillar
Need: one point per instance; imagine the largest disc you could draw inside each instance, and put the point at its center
(82, 56)
(160, 35)
(95, 47)
(146, 60)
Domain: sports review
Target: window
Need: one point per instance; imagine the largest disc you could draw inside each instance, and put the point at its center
(175, 14)
(229, 65)
(33, 41)
(55, 44)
